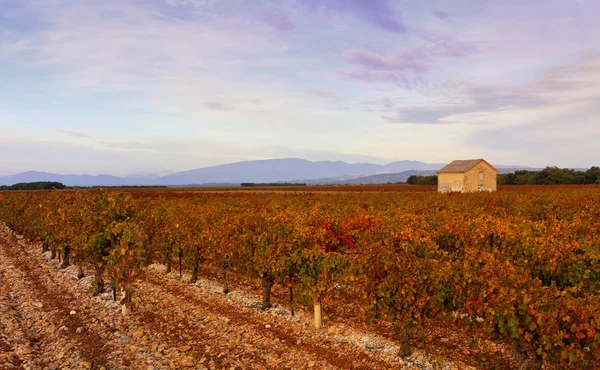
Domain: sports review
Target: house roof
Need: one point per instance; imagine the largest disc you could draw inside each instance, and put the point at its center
(461, 166)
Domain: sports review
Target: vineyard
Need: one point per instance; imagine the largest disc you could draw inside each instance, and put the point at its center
(519, 267)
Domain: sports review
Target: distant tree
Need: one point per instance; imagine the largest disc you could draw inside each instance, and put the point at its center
(422, 180)
(550, 176)
(579, 178)
(592, 176)
(524, 177)
(428, 180)
(554, 176)
(507, 179)
(412, 180)
(39, 185)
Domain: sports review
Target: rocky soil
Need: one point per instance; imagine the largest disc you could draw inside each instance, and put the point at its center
(49, 320)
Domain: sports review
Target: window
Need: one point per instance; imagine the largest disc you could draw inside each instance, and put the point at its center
(480, 176)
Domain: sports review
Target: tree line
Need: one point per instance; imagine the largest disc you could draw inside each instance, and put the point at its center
(547, 176)
(51, 185)
(39, 185)
(422, 180)
(551, 176)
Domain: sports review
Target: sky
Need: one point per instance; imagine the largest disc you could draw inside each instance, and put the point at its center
(154, 86)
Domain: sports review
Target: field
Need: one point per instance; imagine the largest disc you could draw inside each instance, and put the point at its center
(231, 278)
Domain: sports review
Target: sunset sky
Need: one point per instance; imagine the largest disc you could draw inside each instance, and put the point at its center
(133, 86)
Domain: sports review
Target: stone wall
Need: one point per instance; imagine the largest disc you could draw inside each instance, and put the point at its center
(473, 178)
(451, 182)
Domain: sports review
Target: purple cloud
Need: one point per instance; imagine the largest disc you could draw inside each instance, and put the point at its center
(412, 60)
(376, 12)
(275, 20)
(451, 48)
(193, 3)
(405, 80)
(406, 68)
(416, 59)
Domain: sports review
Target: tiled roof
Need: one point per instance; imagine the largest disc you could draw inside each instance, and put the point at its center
(461, 166)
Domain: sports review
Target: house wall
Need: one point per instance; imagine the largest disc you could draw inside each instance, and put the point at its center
(472, 180)
(469, 181)
(451, 182)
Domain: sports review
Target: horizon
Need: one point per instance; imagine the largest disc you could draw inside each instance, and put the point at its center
(166, 173)
(176, 85)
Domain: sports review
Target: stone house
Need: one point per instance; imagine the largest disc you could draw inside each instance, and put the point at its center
(467, 176)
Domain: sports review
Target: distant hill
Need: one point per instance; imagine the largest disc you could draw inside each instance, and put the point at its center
(384, 178)
(263, 171)
(70, 180)
(387, 178)
(287, 169)
(381, 178)
(270, 170)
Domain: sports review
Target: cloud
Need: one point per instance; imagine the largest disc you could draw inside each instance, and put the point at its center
(381, 104)
(276, 20)
(564, 136)
(75, 134)
(140, 48)
(327, 96)
(424, 115)
(406, 69)
(406, 80)
(192, 3)
(125, 147)
(568, 86)
(414, 60)
(441, 14)
(216, 106)
(376, 12)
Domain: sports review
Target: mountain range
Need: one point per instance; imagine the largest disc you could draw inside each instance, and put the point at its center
(261, 171)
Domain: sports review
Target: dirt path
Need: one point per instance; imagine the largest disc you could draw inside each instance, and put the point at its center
(260, 338)
(49, 320)
(54, 322)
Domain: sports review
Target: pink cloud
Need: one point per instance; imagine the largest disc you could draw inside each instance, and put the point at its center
(407, 68)
(276, 20)
(412, 60)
